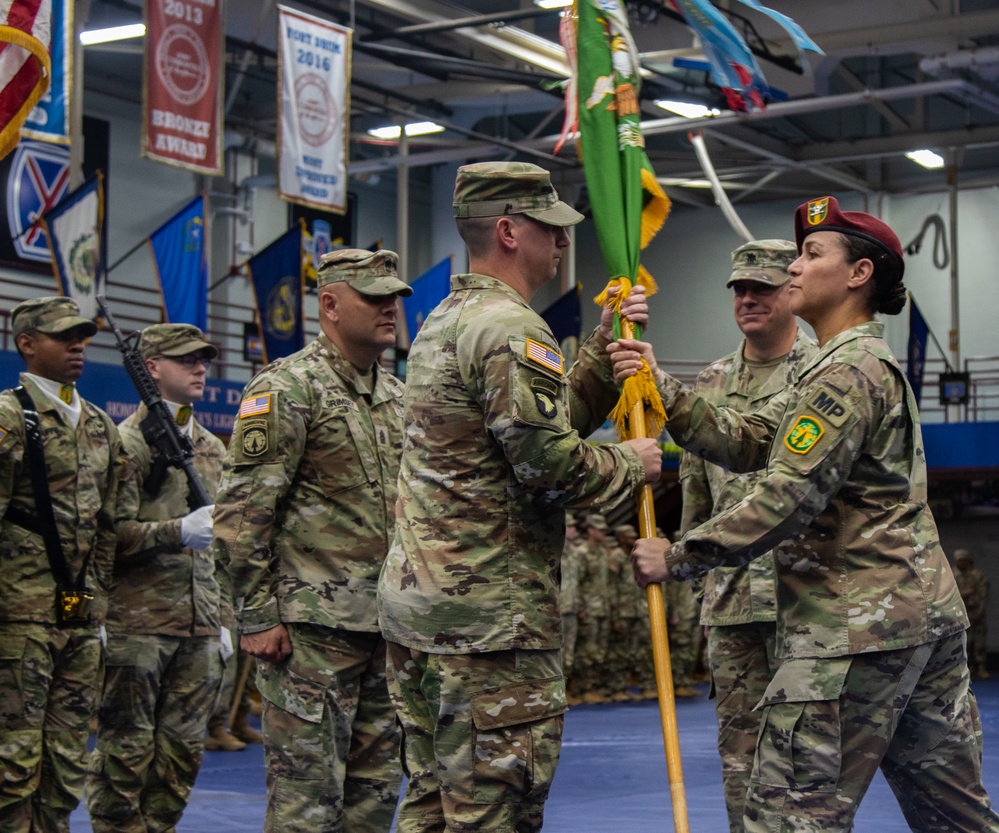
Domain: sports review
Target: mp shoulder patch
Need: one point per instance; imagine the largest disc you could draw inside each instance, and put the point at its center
(804, 434)
(831, 405)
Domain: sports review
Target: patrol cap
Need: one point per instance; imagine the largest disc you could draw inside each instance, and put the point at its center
(370, 273)
(596, 522)
(824, 214)
(50, 314)
(763, 261)
(625, 529)
(495, 189)
(174, 340)
(962, 555)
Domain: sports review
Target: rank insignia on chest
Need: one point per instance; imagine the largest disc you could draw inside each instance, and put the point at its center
(254, 438)
(545, 356)
(545, 396)
(255, 405)
(804, 434)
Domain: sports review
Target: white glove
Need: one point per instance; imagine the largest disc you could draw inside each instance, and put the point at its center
(196, 528)
(104, 636)
(225, 643)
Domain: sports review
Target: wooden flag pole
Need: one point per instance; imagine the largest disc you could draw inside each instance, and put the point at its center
(660, 638)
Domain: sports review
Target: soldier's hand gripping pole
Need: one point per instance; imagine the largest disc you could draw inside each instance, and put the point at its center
(159, 428)
(660, 638)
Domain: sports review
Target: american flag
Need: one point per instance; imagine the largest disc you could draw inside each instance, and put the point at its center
(255, 405)
(25, 65)
(537, 352)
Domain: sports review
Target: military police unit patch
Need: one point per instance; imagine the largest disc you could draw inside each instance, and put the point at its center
(545, 396)
(817, 211)
(545, 356)
(183, 415)
(828, 403)
(804, 434)
(66, 394)
(254, 437)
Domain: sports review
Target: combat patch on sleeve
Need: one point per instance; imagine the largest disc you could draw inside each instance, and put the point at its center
(804, 434)
(255, 406)
(254, 438)
(545, 396)
(543, 355)
(829, 403)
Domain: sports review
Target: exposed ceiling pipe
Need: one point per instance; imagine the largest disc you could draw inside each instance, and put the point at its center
(973, 59)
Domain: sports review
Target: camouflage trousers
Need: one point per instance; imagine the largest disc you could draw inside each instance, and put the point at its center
(49, 681)
(158, 694)
(589, 671)
(483, 734)
(743, 660)
(331, 740)
(570, 633)
(828, 724)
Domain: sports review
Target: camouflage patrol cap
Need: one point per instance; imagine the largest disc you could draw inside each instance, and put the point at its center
(370, 273)
(50, 314)
(625, 529)
(763, 261)
(596, 522)
(495, 189)
(962, 555)
(175, 340)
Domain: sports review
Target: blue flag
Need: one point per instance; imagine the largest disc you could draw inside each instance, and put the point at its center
(916, 360)
(278, 280)
(565, 316)
(429, 290)
(178, 248)
(75, 231)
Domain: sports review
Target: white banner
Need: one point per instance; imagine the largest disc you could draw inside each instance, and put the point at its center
(314, 107)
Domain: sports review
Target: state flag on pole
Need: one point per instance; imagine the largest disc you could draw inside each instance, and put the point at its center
(277, 275)
(178, 248)
(75, 231)
(25, 65)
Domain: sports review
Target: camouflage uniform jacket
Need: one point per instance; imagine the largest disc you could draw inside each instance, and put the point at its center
(570, 566)
(594, 578)
(304, 514)
(160, 586)
(492, 459)
(974, 587)
(846, 476)
(625, 599)
(735, 595)
(83, 482)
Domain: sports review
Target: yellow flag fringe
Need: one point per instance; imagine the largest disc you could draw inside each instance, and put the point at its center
(640, 388)
(656, 210)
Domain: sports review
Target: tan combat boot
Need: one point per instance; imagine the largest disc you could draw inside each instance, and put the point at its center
(243, 730)
(219, 740)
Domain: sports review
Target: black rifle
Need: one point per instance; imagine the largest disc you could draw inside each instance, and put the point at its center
(159, 429)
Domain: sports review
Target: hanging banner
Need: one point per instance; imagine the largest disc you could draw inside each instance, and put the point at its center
(314, 108)
(75, 231)
(25, 28)
(276, 275)
(182, 84)
(178, 248)
(49, 121)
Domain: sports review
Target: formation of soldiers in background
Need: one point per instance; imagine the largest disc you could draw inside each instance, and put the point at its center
(607, 652)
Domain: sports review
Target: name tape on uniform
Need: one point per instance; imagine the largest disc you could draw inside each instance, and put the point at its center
(546, 357)
(255, 405)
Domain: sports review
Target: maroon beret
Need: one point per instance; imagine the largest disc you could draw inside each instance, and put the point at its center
(824, 214)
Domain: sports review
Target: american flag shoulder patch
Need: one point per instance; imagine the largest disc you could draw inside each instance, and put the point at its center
(255, 405)
(545, 356)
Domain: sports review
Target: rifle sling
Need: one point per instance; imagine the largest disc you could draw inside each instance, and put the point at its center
(34, 453)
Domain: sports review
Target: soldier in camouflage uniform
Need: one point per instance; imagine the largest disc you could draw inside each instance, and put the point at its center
(974, 587)
(303, 521)
(570, 567)
(682, 617)
(50, 674)
(739, 606)
(625, 607)
(590, 678)
(163, 664)
(870, 624)
(468, 597)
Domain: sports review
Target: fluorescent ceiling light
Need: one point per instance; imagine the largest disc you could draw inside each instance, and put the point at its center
(133, 30)
(926, 158)
(687, 109)
(552, 4)
(684, 183)
(418, 128)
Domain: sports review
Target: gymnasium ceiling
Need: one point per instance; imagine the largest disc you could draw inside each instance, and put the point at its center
(897, 75)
